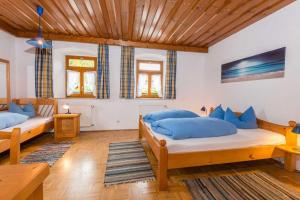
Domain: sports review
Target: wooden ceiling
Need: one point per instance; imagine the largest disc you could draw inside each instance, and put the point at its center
(187, 25)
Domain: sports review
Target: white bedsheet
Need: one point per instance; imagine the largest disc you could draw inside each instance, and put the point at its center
(244, 138)
(30, 124)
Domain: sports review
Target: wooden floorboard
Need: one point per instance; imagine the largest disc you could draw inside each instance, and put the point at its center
(80, 173)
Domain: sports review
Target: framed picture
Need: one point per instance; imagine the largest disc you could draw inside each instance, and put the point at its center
(262, 66)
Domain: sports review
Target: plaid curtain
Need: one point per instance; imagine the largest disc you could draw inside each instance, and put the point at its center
(127, 73)
(170, 85)
(103, 90)
(43, 73)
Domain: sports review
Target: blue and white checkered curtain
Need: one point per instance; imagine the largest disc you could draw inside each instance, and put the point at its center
(103, 89)
(170, 84)
(127, 73)
(43, 73)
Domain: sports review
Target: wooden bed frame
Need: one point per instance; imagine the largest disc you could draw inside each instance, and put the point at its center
(168, 160)
(12, 140)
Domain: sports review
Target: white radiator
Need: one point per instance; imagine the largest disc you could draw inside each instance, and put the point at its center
(144, 109)
(87, 114)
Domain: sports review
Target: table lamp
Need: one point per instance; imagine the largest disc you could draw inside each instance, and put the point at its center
(296, 130)
(67, 107)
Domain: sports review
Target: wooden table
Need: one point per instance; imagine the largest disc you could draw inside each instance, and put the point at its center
(290, 157)
(66, 125)
(23, 181)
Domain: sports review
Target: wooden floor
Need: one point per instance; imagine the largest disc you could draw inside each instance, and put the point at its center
(80, 173)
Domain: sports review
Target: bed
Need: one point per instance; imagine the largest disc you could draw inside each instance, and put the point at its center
(11, 138)
(261, 144)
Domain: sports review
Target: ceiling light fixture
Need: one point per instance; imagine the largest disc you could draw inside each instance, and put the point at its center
(39, 41)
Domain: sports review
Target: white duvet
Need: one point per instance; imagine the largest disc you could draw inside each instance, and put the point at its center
(244, 138)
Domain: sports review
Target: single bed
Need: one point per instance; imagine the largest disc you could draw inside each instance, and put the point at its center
(12, 137)
(246, 145)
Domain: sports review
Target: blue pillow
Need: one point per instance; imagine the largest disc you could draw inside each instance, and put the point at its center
(8, 119)
(14, 108)
(218, 113)
(155, 116)
(28, 110)
(247, 120)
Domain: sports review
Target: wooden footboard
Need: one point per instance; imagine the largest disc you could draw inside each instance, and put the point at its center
(168, 160)
(12, 140)
(160, 151)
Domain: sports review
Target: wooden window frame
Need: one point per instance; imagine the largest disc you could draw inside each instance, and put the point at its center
(149, 73)
(81, 70)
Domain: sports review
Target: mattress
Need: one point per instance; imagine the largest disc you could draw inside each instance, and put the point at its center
(30, 124)
(243, 139)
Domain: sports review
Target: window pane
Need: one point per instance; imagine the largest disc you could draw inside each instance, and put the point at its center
(143, 85)
(81, 63)
(150, 66)
(156, 85)
(90, 83)
(73, 84)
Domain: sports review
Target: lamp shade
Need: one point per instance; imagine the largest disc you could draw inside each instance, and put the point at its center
(66, 106)
(296, 129)
(39, 42)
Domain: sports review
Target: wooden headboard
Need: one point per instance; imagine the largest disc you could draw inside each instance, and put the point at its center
(291, 139)
(4, 103)
(43, 107)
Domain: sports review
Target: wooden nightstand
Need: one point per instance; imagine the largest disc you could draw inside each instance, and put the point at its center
(66, 125)
(290, 156)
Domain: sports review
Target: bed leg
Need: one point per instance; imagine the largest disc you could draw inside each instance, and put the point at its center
(140, 127)
(15, 146)
(162, 171)
(290, 162)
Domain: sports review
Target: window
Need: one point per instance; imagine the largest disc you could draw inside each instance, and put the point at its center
(149, 79)
(81, 76)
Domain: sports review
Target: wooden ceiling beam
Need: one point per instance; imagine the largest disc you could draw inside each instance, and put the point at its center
(251, 21)
(157, 34)
(150, 18)
(169, 5)
(243, 18)
(194, 19)
(7, 28)
(86, 39)
(206, 21)
(97, 12)
(236, 15)
(72, 17)
(132, 7)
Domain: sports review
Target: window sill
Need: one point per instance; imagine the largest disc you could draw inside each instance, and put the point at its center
(70, 97)
(149, 98)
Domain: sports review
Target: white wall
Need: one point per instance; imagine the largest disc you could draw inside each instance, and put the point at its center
(114, 113)
(7, 52)
(276, 100)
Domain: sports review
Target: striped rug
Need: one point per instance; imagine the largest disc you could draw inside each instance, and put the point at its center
(48, 153)
(254, 185)
(127, 162)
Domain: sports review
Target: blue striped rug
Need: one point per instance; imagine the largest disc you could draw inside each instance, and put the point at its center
(127, 162)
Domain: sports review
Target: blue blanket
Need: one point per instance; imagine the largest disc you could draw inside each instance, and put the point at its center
(8, 119)
(155, 116)
(200, 127)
